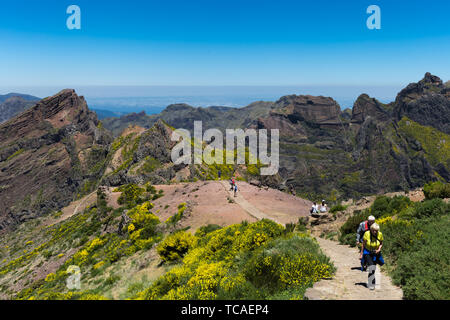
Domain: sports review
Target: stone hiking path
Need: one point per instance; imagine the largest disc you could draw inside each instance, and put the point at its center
(349, 283)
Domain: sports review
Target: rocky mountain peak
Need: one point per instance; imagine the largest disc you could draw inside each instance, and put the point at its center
(366, 106)
(428, 84)
(426, 102)
(178, 107)
(47, 154)
(316, 109)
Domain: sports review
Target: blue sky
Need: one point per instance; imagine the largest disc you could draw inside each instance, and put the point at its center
(215, 42)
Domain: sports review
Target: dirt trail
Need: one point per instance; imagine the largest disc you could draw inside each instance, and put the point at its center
(249, 208)
(349, 283)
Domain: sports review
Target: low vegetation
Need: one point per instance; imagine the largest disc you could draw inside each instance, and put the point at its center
(242, 261)
(437, 189)
(261, 260)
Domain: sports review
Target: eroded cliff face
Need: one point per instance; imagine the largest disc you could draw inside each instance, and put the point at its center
(381, 147)
(47, 155)
(319, 110)
(426, 102)
(366, 106)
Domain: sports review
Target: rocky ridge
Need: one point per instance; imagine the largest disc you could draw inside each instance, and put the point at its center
(48, 154)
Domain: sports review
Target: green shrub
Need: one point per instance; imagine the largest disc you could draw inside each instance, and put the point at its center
(437, 189)
(422, 260)
(177, 216)
(383, 205)
(338, 207)
(348, 229)
(429, 208)
(131, 195)
(301, 224)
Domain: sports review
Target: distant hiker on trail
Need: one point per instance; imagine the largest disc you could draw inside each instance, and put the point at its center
(232, 183)
(362, 228)
(314, 208)
(371, 252)
(323, 207)
(219, 174)
(235, 189)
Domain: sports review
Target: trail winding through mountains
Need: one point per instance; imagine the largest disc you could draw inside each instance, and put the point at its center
(349, 283)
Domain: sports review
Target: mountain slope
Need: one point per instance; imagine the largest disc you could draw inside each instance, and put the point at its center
(47, 154)
(14, 103)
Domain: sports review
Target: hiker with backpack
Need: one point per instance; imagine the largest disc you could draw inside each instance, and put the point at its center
(371, 252)
(231, 183)
(362, 228)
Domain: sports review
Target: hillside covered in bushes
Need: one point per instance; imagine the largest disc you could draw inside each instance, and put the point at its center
(128, 253)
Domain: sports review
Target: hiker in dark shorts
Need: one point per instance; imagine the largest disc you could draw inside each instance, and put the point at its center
(235, 189)
(219, 174)
(371, 252)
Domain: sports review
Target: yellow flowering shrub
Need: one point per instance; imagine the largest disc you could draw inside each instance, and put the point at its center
(99, 265)
(94, 244)
(50, 277)
(175, 246)
(241, 261)
(303, 270)
(142, 217)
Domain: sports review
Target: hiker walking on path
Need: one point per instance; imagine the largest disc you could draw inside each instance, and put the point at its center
(235, 190)
(219, 174)
(232, 183)
(371, 252)
(362, 228)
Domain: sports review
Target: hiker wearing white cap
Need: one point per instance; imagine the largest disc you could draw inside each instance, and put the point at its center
(362, 228)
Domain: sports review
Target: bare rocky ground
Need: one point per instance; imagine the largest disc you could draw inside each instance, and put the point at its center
(210, 202)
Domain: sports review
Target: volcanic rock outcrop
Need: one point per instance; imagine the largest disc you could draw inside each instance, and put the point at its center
(48, 154)
(426, 102)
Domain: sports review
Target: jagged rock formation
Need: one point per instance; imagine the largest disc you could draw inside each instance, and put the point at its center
(140, 155)
(426, 102)
(366, 106)
(47, 155)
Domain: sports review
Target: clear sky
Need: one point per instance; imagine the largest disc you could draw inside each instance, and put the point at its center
(217, 42)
